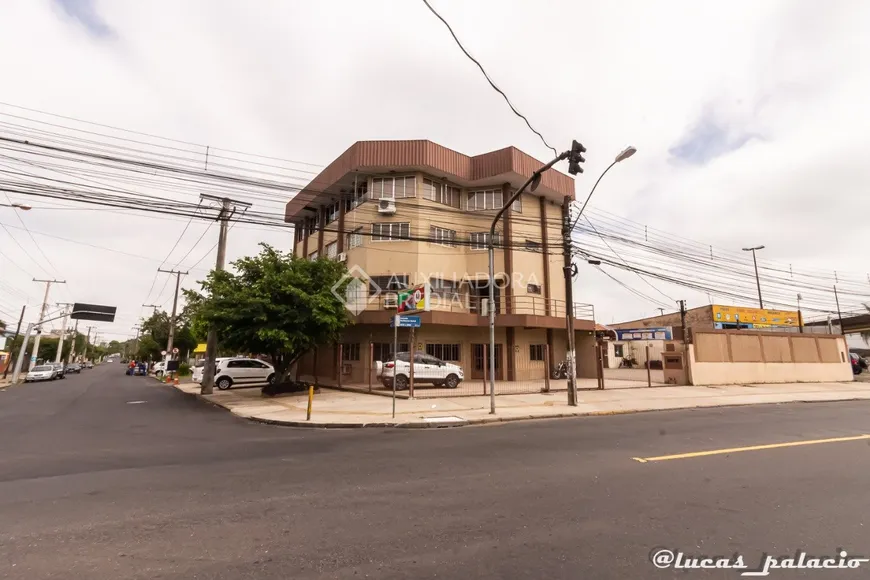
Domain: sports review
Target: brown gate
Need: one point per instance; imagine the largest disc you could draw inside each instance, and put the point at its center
(477, 361)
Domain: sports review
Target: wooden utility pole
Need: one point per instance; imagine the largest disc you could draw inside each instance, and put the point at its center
(178, 275)
(228, 208)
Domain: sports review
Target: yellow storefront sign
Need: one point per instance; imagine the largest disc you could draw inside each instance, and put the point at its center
(759, 317)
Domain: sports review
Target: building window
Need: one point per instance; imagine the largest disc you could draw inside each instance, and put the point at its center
(617, 350)
(536, 352)
(445, 352)
(350, 351)
(354, 239)
(310, 227)
(444, 288)
(480, 240)
(441, 193)
(389, 231)
(442, 236)
(389, 283)
(332, 250)
(313, 255)
(486, 199)
(517, 205)
(394, 187)
(332, 211)
(533, 246)
(384, 350)
(533, 288)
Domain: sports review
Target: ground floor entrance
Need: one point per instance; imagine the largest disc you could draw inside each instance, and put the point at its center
(480, 355)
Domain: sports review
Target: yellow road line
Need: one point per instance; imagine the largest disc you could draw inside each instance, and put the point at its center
(750, 448)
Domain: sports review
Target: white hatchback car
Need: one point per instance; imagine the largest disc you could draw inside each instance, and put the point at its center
(427, 369)
(238, 371)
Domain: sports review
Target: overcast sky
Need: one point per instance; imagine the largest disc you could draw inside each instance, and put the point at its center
(749, 118)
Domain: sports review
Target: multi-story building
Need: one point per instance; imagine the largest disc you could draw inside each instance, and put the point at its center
(402, 213)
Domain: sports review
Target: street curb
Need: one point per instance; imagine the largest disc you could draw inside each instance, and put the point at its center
(488, 420)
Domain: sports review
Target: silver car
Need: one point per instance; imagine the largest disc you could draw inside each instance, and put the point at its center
(41, 373)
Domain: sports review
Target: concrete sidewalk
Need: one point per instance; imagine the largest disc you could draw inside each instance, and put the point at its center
(348, 409)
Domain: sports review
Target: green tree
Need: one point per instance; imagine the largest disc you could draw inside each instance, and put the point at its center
(157, 327)
(149, 349)
(274, 304)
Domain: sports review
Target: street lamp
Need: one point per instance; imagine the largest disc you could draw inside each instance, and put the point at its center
(623, 155)
(534, 181)
(757, 280)
(21, 206)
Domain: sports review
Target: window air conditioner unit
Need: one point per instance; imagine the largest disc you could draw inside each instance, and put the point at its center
(484, 307)
(391, 302)
(386, 207)
(342, 257)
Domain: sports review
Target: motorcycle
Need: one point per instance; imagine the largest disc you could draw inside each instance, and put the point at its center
(560, 371)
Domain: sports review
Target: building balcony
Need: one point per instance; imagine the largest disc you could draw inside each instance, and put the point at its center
(471, 310)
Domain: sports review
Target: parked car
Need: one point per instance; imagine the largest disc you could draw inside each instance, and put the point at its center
(196, 376)
(241, 371)
(856, 363)
(427, 370)
(73, 368)
(60, 370)
(41, 373)
(159, 369)
(88, 364)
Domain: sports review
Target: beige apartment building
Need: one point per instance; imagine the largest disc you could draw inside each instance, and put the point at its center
(403, 213)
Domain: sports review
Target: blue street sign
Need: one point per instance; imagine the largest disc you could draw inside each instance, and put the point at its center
(405, 321)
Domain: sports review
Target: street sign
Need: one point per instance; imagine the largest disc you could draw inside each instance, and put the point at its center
(163, 353)
(175, 350)
(405, 321)
(95, 312)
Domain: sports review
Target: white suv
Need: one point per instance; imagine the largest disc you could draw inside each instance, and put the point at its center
(238, 371)
(427, 369)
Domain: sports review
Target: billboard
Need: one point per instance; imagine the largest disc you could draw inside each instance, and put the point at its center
(415, 299)
(651, 333)
(754, 317)
(95, 312)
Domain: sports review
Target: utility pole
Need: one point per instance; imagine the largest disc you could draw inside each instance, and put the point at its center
(72, 351)
(839, 314)
(757, 279)
(683, 320)
(138, 329)
(17, 330)
(88, 342)
(178, 275)
(800, 316)
(66, 313)
(35, 353)
(661, 311)
(568, 269)
(228, 208)
(154, 306)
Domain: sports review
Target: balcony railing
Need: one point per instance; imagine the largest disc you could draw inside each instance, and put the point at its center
(472, 304)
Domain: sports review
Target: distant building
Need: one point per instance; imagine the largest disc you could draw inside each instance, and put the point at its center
(631, 338)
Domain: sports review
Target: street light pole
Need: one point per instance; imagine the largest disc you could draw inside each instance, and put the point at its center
(757, 279)
(534, 181)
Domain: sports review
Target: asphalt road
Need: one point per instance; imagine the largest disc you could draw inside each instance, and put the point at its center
(93, 485)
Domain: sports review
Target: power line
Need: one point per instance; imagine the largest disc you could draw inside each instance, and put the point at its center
(489, 80)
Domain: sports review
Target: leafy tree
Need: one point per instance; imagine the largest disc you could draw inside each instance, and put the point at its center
(274, 304)
(149, 349)
(157, 327)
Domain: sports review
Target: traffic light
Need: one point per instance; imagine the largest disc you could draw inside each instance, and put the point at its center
(576, 158)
